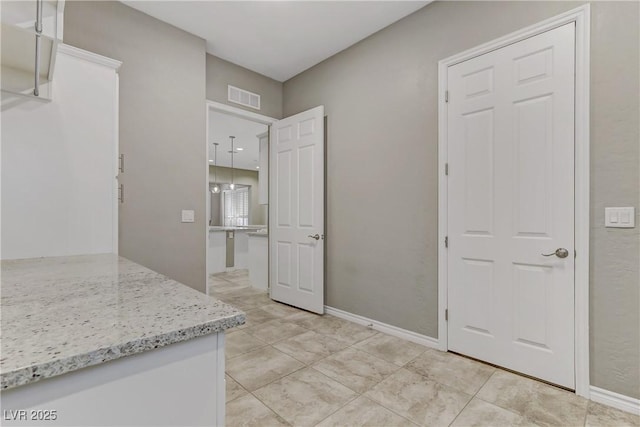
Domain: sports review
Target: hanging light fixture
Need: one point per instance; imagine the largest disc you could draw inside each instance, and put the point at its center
(216, 187)
(232, 185)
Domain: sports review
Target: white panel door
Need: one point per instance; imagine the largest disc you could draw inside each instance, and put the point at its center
(511, 190)
(296, 210)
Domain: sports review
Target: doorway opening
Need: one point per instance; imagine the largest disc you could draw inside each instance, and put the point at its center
(237, 194)
(288, 155)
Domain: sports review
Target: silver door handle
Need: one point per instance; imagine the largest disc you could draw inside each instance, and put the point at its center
(315, 236)
(560, 253)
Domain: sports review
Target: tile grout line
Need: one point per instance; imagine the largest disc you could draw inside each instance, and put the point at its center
(239, 385)
(461, 411)
(377, 402)
(345, 404)
(269, 407)
(511, 410)
(339, 382)
(248, 351)
(388, 409)
(484, 383)
(278, 379)
(475, 396)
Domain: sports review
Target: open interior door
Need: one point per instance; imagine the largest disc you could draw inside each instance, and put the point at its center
(296, 210)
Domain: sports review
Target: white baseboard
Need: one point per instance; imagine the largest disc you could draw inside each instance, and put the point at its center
(383, 327)
(615, 400)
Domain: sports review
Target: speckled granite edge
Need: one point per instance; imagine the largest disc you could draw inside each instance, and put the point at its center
(34, 373)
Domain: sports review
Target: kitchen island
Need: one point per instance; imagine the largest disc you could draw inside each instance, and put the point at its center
(259, 260)
(100, 340)
(229, 248)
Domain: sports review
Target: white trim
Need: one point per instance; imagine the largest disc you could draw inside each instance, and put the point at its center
(89, 56)
(443, 202)
(239, 112)
(615, 400)
(383, 327)
(207, 202)
(116, 184)
(60, 20)
(581, 17)
(52, 62)
(582, 194)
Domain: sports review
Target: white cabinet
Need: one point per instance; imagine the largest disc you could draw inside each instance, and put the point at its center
(181, 384)
(263, 174)
(59, 162)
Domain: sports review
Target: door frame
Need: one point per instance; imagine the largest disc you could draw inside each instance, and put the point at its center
(232, 111)
(581, 16)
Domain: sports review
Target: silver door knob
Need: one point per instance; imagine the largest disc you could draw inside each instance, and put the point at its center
(560, 253)
(315, 236)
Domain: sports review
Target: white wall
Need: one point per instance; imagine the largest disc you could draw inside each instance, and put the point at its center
(59, 165)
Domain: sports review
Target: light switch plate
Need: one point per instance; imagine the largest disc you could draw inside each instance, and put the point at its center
(620, 217)
(188, 216)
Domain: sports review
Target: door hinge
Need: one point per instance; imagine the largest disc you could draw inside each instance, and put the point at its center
(446, 241)
(446, 96)
(121, 193)
(121, 163)
(446, 169)
(446, 314)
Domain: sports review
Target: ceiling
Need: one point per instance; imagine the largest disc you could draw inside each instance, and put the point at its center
(221, 126)
(279, 39)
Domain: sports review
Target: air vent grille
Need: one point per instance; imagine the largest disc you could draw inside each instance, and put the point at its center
(244, 97)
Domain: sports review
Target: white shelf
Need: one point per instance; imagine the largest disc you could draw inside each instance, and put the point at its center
(18, 35)
(22, 14)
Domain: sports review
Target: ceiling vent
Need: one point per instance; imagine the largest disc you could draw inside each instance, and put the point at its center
(244, 97)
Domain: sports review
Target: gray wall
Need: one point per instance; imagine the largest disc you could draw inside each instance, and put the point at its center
(221, 73)
(381, 102)
(257, 214)
(162, 133)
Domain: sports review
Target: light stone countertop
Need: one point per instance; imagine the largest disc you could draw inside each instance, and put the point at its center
(61, 314)
(249, 228)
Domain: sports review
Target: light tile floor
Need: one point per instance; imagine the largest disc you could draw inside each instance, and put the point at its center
(288, 367)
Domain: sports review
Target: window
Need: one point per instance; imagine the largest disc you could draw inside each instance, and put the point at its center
(235, 207)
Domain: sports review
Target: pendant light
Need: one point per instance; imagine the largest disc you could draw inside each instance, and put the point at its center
(216, 187)
(232, 185)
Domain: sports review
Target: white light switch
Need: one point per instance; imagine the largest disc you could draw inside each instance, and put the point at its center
(188, 216)
(620, 217)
